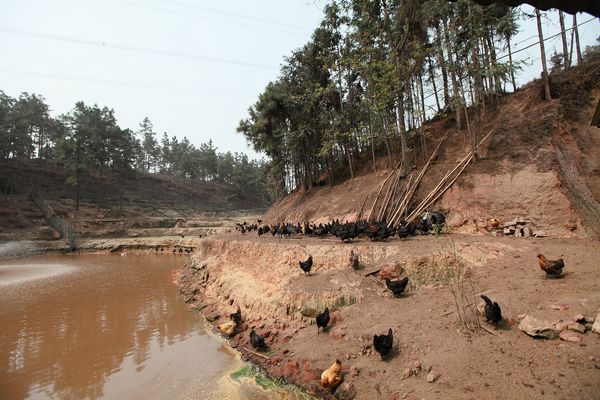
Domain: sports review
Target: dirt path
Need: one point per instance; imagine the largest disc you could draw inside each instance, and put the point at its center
(262, 277)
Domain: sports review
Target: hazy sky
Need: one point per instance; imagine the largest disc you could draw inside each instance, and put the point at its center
(192, 66)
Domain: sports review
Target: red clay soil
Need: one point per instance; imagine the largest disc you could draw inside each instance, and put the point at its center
(263, 278)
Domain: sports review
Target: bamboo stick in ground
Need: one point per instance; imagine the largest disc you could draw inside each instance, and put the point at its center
(387, 197)
(361, 207)
(439, 185)
(256, 354)
(437, 196)
(378, 193)
(397, 193)
(434, 196)
(412, 190)
(395, 214)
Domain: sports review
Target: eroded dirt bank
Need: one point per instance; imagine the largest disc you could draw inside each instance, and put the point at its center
(262, 277)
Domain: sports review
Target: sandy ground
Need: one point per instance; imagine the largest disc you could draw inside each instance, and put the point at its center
(263, 278)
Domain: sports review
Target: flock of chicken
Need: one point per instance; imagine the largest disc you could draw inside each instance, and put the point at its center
(383, 344)
(348, 231)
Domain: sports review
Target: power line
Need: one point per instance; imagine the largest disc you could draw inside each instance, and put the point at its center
(137, 49)
(190, 15)
(124, 84)
(522, 49)
(545, 39)
(232, 14)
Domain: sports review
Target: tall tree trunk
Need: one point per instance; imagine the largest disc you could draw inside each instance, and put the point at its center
(486, 66)
(373, 153)
(432, 77)
(410, 107)
(423, 111)
(455, 94)
(401, 129)
(492, 46)
(510, 65)
(576, 29)
(77, 177)
(563, 35)
(442, 63)
(545, 77)
(349, 155)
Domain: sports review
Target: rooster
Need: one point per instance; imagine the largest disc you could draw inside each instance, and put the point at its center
(552, 268)
(332, 376)
(257, 341)
(383, 343)
(323, 319)
(397, 287)
(306, 266)
(493, 314)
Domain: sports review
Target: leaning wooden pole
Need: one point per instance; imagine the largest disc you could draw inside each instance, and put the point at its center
(443, 186)
(362, 207)
(379, 192)
(412, 190)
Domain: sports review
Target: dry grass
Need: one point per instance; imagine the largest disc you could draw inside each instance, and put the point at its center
(448, 268)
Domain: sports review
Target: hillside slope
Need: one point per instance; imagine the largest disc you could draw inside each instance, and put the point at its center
(111, 205)
(541, 163)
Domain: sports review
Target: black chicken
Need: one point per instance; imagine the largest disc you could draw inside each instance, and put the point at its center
(397, 287)
(237, 317)
(406, 229)
(306, 266)
(323, 319)
(493, 314)
(257, 341)
(383, 343)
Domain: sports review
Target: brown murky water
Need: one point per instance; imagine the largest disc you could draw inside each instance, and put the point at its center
(107, 326)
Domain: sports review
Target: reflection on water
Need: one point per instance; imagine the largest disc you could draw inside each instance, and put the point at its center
(97, 326)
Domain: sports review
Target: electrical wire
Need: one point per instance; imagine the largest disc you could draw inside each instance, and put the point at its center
(137, 49)
(123, 83)
(192, 15)
(232, 14)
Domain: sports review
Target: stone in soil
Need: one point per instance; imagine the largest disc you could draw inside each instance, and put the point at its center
(596, 326)
(432, 376)
(569, 336)
(538, 328)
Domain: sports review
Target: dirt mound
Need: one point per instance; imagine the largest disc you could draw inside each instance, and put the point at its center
(541, 163)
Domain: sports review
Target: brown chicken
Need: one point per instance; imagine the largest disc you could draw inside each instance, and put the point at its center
(228, 328)
(332, 376)
(552, 268)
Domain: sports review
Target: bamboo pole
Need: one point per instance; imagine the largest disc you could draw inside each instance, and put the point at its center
(442, 182)
(435, 194)
(400, 204)
(387, 198)
(417, 211)
(378, 193)
(256, 354)
(412, 190)
(361, 207)
(397, 194)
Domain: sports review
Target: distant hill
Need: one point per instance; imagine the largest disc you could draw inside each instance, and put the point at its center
(137, 197)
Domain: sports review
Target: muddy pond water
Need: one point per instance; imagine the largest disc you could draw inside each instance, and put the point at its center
(109, 326)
